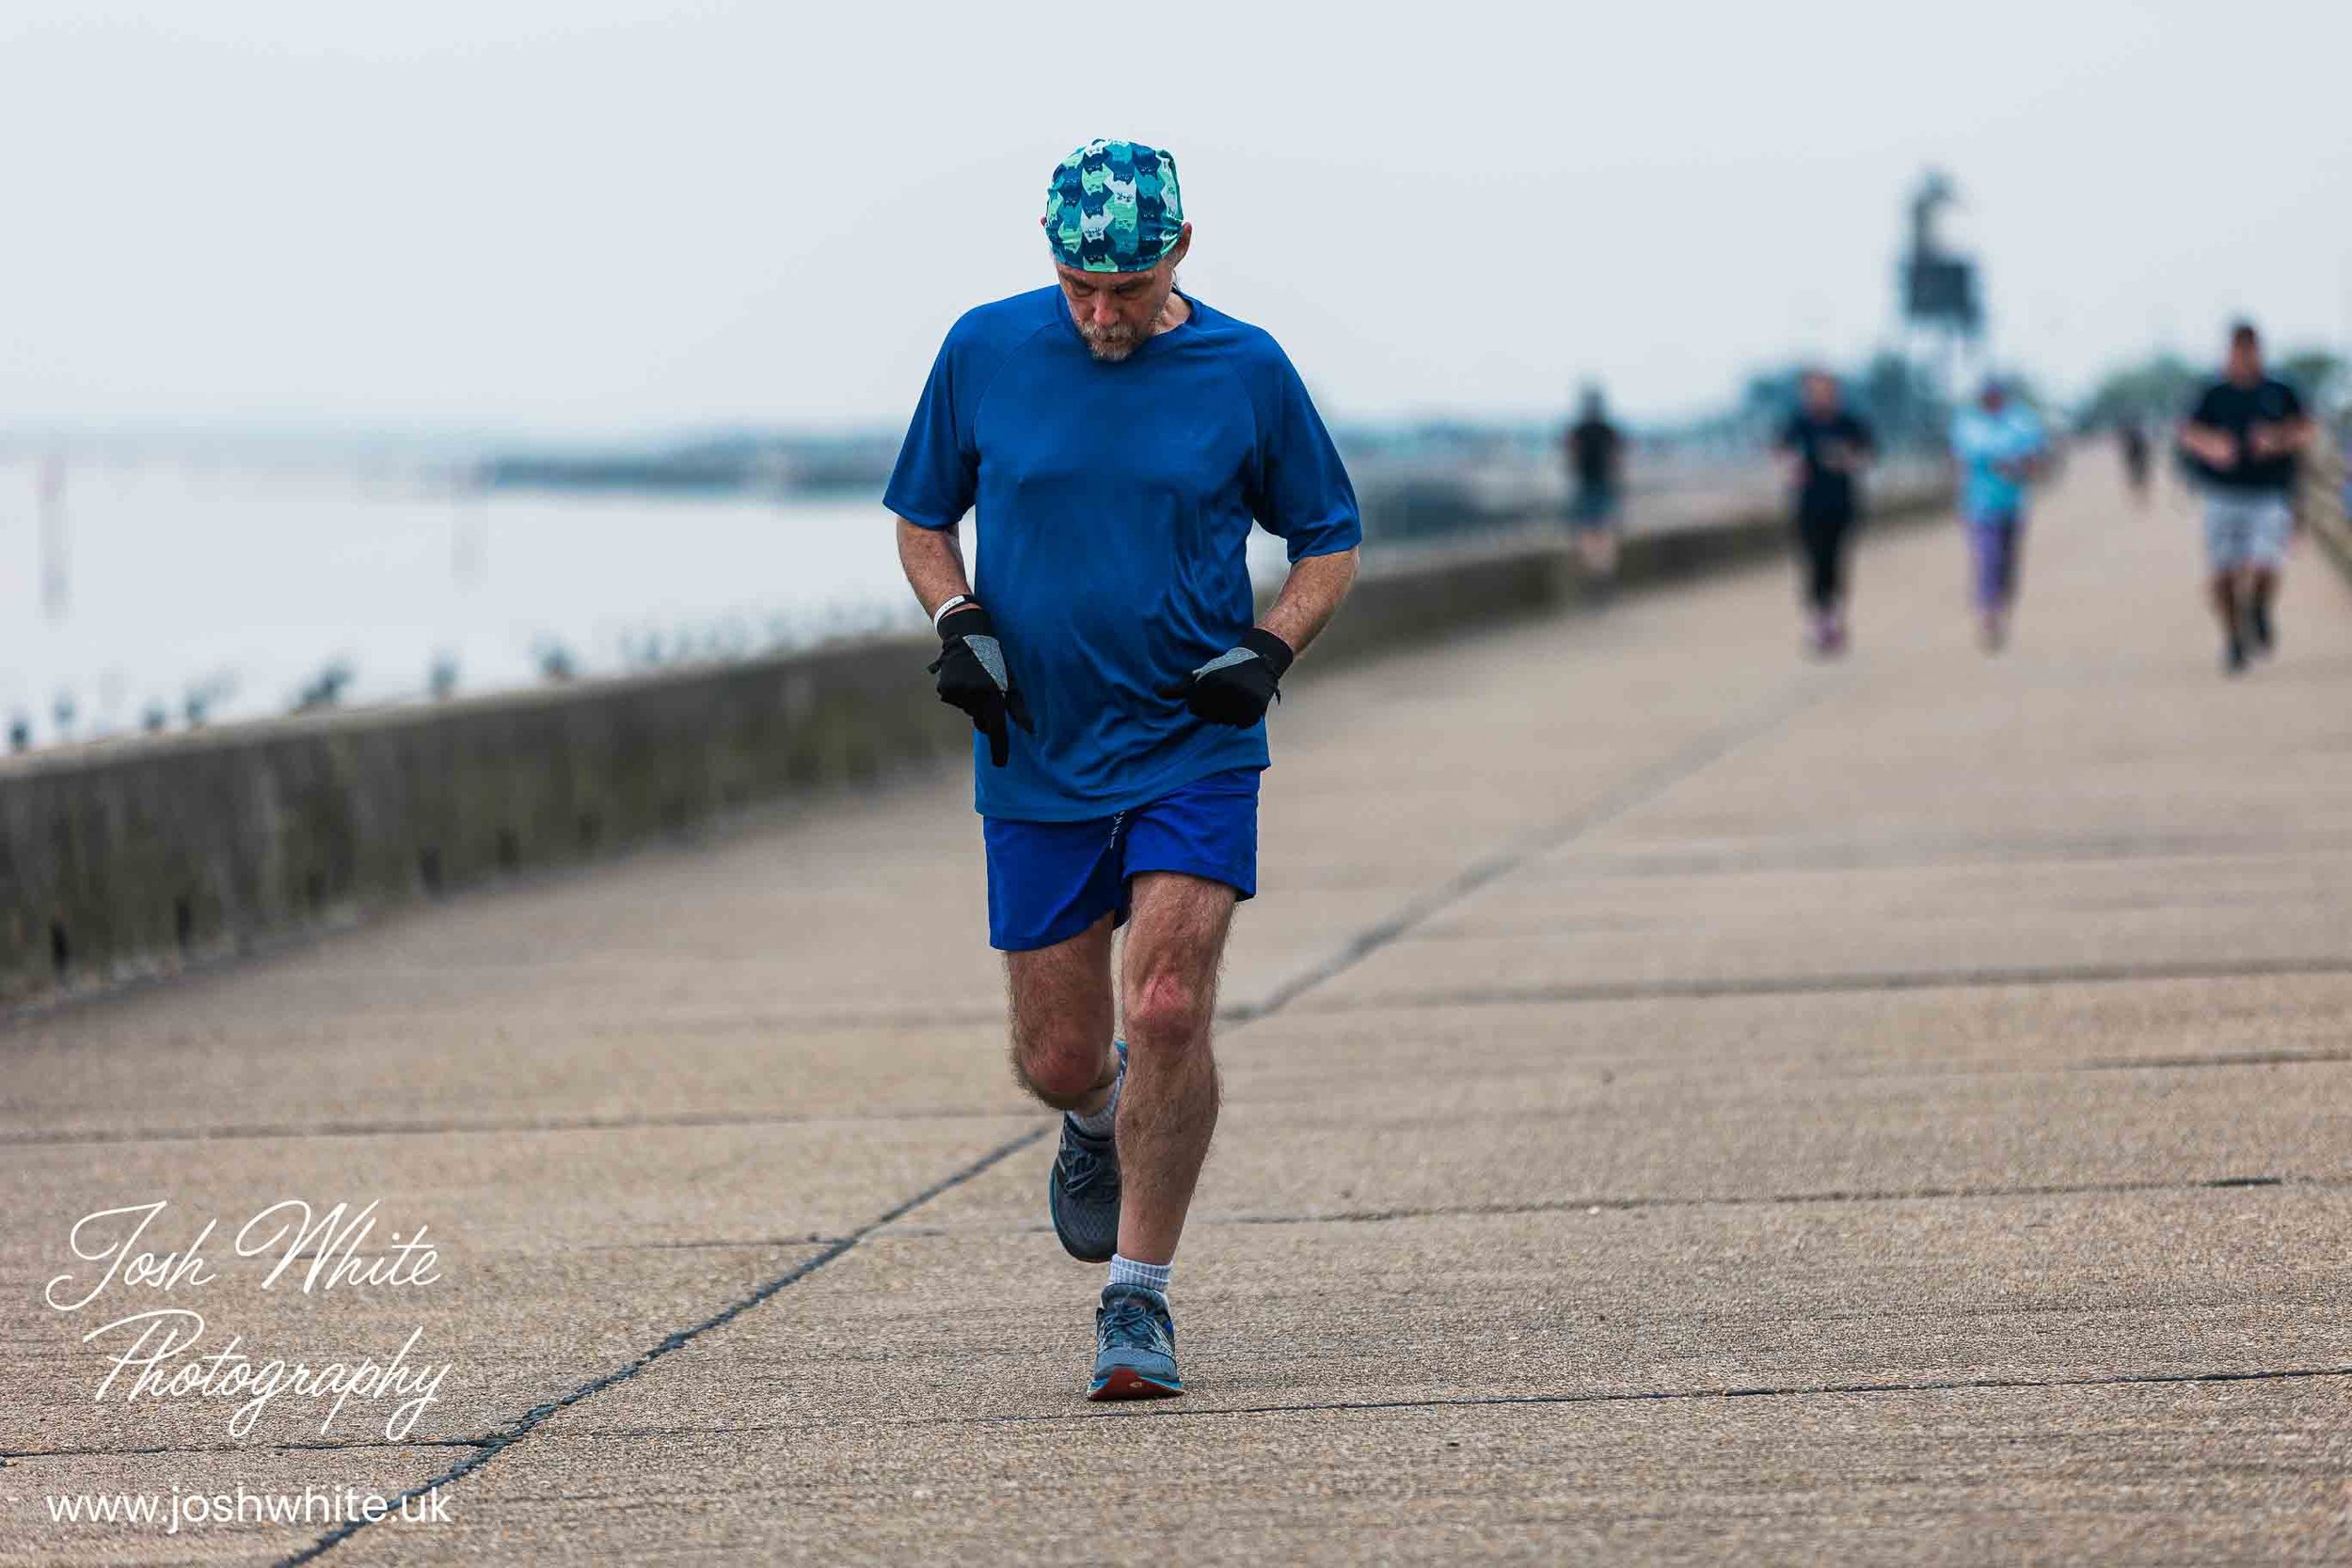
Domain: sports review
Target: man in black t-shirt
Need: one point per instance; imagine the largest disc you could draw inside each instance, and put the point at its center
(1596, 454)
(1823, 450)
(2242, 441)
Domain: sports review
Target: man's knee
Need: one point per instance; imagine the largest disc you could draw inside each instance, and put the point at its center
(1061, 1066)
(1169, 1010)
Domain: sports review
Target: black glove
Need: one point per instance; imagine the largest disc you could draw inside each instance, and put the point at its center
(1235, 686)
(972, 677)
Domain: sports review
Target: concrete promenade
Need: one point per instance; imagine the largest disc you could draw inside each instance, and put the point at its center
(1683, 1103)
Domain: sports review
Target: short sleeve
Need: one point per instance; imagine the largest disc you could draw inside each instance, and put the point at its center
(938, 471)
(2292, 403)
(2204, 411)
(1792, 437)
(1302, 494)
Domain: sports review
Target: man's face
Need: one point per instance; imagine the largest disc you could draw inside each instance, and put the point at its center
(1821, 395)
(2246, 359)
(1117, 310)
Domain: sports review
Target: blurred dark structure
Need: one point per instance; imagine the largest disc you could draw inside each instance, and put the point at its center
(1939, 285)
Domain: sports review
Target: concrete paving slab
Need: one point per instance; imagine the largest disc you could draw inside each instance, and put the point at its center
(2132, 903)
(1531, 1051)
(323, 1074)
(1827, 848)
(1623, 1302)
(2249, 1472)
(512, 1330)
(539, 1191)
(560, 1255)
(1815, 947)
(1563, 925)
(1370, 1147)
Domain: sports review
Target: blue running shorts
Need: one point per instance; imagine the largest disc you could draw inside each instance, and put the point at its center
(1047, 881)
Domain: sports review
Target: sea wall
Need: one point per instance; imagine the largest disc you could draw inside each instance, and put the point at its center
(137, 857)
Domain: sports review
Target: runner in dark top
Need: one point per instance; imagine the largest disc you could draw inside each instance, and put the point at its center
(1824, 450)
(1596, 455)
(2243, 442)
(2133, 435)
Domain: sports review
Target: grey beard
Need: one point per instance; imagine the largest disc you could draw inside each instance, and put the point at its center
(1110, 345)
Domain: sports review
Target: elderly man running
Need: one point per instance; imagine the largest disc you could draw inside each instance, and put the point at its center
(1117, 437)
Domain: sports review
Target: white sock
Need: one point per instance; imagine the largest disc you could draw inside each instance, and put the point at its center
(1151, 1276)
(1101, 1123)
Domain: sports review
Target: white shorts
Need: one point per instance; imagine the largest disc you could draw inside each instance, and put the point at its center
(2247, 527)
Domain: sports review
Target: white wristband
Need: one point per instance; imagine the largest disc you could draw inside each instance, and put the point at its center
(953, 601)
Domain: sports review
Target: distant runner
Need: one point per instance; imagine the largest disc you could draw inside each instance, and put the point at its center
(2000, 446)
(1596, 455)
(2132, 438)
(1118, 437)
(1824, 450)
(2242, 439)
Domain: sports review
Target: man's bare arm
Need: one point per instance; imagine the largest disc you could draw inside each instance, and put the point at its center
(1311, 597)
(933, 562)
(2276, 440)
(2216, 447)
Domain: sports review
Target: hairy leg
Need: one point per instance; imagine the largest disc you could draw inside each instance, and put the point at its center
(1062, 1020)
(2225, 600)
(1168, 1112)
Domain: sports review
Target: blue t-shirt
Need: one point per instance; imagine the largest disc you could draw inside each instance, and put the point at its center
(1115, 502)
(1984, 442)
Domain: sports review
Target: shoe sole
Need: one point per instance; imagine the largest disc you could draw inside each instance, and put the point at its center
(1125, 1383)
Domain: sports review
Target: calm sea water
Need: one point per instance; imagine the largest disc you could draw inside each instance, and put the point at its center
(255, 583)
(251, 584)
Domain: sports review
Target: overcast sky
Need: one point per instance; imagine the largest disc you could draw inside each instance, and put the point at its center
(586, 216)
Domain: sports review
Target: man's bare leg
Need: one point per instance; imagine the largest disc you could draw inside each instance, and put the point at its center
(1167, 1111)
(1598, 549)
(2261, 587)
(2228, 603)
(1062, 1020)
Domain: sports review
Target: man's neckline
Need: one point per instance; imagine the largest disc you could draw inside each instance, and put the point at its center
(1070, 324)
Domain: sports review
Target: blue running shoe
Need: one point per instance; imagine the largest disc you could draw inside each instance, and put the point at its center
(1135, 1346)
(1082, 1193)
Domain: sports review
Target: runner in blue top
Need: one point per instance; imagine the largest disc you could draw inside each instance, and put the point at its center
(2000, 446)
(1117, 438)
